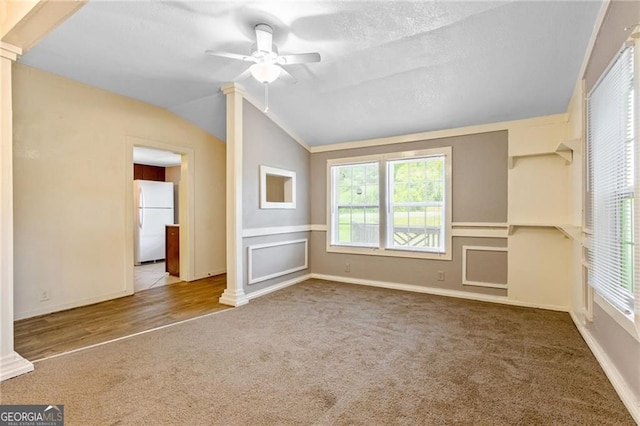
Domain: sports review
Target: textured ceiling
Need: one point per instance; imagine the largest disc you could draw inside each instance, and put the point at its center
(388, 67)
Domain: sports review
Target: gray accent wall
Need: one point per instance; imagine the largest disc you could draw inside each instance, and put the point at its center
(400, 270)
(487, 266)
(276, 258)
(479, 164)
(266, 144)
(479, 180)
(621, 348)
(620, 15)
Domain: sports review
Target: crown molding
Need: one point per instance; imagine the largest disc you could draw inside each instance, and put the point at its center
(446, 133)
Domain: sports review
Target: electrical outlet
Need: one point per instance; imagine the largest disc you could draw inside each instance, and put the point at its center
(440, 275)
(347, 267)
(44, 294)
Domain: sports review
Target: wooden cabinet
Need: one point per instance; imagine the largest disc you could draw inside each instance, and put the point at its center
(144, 172)
(137, 171)
(172, 250)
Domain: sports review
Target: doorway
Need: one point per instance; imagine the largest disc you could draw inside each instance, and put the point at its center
(158, 247)
(156, 183)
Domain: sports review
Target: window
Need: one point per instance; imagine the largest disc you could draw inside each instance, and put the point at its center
(416, 203)
(611, 139)
(391, 204)
(357, 204)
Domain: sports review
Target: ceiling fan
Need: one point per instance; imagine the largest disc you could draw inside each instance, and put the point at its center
(267, 62)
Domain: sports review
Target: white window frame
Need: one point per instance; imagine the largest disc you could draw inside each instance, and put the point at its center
(333, 224)
(629, 322)
(289, 188)
(383, 249)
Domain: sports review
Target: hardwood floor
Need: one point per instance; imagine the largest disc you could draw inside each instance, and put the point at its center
(52, 334)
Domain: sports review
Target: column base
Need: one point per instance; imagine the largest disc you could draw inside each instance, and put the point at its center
(13, 365)
(234, 298)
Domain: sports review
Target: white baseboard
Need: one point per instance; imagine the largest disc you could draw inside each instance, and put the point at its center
(208, 275)
(48, 309)
(279, 286)
(439, 292)
(617, 380)
(13, 365)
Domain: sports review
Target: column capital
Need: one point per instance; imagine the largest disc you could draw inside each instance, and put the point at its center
(9, 51)
(233, 88)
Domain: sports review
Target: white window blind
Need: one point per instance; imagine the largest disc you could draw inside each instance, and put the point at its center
(611, 138)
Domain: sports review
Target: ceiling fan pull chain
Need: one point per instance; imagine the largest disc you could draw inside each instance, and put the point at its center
(266, 98)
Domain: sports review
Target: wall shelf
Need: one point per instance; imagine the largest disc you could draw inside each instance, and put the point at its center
(572, 232)
(564, 150)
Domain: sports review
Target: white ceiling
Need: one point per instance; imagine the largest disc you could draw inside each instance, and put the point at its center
(388, 67)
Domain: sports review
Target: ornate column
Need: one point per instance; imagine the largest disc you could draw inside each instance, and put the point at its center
(234, 294)
(11, 364)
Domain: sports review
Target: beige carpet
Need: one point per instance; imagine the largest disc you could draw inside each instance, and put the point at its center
(326, 353)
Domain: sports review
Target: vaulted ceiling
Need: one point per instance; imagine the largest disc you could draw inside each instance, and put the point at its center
(388, 67)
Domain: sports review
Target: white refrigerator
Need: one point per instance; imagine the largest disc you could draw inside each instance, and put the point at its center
(153, 209)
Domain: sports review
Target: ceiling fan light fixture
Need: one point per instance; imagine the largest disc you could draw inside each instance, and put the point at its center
(265, 72)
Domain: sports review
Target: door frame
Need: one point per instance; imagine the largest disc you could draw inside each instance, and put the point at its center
(186, 214)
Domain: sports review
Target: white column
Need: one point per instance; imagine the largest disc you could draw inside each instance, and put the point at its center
(234, 294)
(11, 364)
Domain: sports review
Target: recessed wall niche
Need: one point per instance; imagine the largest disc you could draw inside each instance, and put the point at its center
(277, 188)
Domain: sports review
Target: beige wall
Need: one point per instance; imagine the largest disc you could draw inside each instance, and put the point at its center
(172, 174)
(70, 185)
(538, 196)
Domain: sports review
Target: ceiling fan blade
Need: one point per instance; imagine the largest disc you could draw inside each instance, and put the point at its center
(299, 58)
(286, 77)
(229, 55)
(264, 38)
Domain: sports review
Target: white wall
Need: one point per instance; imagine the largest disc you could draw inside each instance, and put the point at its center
(71, 177)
